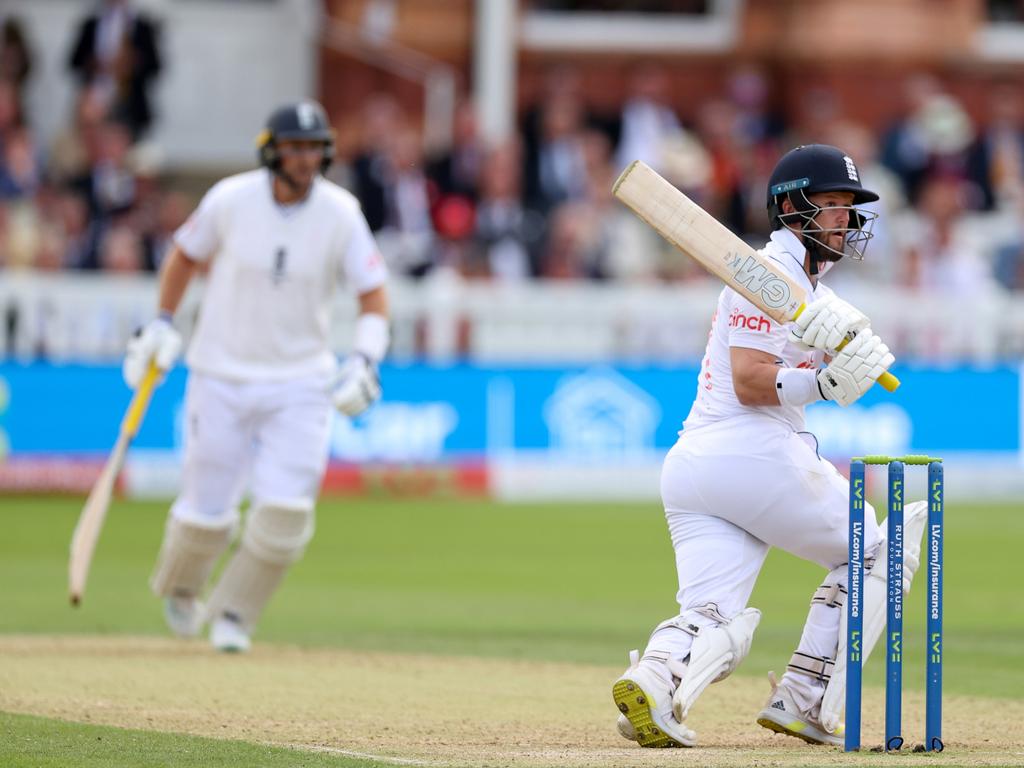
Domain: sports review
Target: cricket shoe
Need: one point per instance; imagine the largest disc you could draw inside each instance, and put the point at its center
(227, 635)
(644, 698)
(782, 715)
(184, 615)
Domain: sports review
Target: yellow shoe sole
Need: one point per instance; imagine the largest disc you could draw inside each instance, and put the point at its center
(632, 702)
(771, 725)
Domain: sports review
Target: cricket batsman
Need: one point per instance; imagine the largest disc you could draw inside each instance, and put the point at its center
(275, 243)
(745, 475)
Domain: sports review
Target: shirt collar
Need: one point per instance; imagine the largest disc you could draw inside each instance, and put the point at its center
(789, 248)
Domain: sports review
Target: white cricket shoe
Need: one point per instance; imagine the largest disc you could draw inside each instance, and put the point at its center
(645, 700)
(227, 635)
(781, 714)
(184, 615)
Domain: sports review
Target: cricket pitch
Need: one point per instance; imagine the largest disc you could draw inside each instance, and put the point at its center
(437, 710)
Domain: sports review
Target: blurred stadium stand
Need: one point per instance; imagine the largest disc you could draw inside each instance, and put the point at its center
(482, 139)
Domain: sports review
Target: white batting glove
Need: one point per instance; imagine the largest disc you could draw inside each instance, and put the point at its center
(357, 385)
(855, 368)
(158, 342)
(825, 323)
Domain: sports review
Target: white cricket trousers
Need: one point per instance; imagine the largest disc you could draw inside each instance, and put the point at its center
(269, 438)
(735, 488)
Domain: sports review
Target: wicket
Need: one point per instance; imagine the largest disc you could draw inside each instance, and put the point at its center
(894, 602)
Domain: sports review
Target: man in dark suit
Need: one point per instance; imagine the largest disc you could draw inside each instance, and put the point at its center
(116, 52)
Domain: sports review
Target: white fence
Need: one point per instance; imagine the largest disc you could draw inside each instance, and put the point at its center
(75, 316)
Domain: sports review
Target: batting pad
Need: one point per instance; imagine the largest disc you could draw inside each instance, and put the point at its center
(187, 557)
(275, 536)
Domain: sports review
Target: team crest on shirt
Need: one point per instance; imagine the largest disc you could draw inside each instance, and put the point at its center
(278, 272)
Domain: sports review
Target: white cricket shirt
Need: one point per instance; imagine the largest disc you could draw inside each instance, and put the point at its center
(738, 323)
(273, 271)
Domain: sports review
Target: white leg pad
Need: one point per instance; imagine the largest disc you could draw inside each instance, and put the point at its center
(716, 652)
(873, 599)
(187, 556)
(275, 536)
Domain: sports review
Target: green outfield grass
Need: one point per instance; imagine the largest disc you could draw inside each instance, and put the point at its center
(539, 581)
(36, 742)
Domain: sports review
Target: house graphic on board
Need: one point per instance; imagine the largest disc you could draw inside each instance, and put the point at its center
(601, 416)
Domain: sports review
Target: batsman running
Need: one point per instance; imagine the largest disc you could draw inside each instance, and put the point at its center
(275, 243)
(745, 475)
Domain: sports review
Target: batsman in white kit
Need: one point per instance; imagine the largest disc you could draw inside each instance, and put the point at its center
(275, 243)
(745, 476)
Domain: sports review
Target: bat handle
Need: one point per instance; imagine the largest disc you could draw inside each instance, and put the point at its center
(140, 401)
(889, 382)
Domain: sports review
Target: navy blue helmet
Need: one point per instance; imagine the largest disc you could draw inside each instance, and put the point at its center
(813, 168)
(304, 121)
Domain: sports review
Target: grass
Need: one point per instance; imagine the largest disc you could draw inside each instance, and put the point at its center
(513, 581)
(36, 742)
(467, 578)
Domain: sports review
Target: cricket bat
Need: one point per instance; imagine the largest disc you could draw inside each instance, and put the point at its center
(700, 236)
(90, 521)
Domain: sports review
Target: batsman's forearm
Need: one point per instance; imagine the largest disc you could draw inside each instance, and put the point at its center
(174, 280)
(374, 302)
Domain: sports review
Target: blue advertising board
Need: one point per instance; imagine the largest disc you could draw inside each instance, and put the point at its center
(599, 414)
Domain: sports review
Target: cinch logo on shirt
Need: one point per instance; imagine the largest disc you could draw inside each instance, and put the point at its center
(750, 322)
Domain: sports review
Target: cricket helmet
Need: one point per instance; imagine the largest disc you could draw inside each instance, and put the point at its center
(303, 121)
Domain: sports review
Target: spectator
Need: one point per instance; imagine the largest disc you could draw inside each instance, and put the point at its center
(457, 171)
(15, 61)
(19, 234)
(116, 52)
(557, 173)
(110, 185)
(903, 148)
(944, 253)
(407, 238)
(718, 130)
(759, 125)
(171, 212)
(580, 237)
(71, 216)
(20, 170)
(9, 116)
(552, 162)
(996, 163)
(947, 132)
(507, 233)
(382, 120)
(51, 250)
(882, 266)
(648, 120)
(121, 250)
(70, 152)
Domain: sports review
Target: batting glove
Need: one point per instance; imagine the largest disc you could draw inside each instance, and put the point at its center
(855, 368)
(157, 342)
(825, 323)
(357, 385)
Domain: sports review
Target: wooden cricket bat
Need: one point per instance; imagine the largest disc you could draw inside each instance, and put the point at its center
(90, 521)
(700, 236)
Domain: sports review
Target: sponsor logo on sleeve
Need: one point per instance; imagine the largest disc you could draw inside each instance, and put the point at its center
(758, 323)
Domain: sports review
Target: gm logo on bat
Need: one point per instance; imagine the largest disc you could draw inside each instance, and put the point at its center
(755, 277)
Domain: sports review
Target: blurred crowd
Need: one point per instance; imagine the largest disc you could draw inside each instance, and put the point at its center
(93, 198)
(538, 206)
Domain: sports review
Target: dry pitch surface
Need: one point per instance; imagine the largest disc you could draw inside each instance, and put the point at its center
(435, 710)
